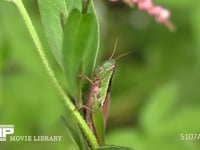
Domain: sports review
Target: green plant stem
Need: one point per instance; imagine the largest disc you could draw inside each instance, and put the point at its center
(68, 103)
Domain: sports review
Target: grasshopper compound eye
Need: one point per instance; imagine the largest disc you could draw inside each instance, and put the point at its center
(98, 70)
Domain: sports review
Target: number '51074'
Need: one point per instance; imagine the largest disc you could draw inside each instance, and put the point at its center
(190, 136)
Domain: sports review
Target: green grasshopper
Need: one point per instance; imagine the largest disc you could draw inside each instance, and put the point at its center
(99, 97)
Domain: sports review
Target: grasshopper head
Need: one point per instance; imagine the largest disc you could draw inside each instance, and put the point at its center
(108, 66)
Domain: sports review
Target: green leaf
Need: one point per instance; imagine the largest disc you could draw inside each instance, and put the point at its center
(113, 147)
(85, 39)
(183, 121)
(50, 12)
(160, 106)
(79, 48)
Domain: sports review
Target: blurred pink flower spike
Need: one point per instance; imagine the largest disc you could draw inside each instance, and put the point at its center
(162, 15)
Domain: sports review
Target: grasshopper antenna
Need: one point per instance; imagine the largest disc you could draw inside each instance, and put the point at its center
(122, 55)
(114, 50)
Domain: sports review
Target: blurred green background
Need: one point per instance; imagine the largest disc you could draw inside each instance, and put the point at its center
(155, 92)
